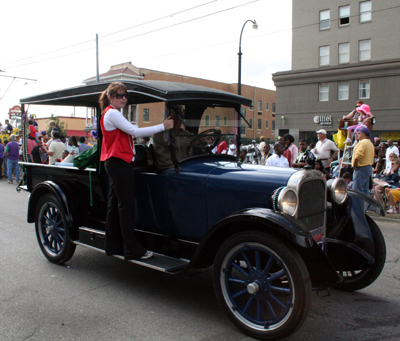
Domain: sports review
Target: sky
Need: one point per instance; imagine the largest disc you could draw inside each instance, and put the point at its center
(52, 44)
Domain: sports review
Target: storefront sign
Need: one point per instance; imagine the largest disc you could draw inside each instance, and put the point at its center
(325, 121)
(14, 112)
(395, 136)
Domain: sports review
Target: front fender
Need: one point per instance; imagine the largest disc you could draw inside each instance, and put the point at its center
(253, 219)
(45, 188)
(285, 225)
(366, 203)
(268, 221)
(349, 238)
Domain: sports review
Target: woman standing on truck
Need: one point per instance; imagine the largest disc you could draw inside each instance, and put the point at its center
(118, 154)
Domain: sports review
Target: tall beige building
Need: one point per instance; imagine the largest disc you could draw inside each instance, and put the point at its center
(342, 51)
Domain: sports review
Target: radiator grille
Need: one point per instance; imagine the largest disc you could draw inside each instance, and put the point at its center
(312, 200)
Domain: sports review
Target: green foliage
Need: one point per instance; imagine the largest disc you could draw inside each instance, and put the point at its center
(59, 126)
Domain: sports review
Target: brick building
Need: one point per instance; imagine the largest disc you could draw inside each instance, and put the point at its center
(260, 116)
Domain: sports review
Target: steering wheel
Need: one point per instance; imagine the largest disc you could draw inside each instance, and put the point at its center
(201, 143)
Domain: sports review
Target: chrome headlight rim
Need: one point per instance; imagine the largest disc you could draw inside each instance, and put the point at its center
(337, 190)
(282, 203)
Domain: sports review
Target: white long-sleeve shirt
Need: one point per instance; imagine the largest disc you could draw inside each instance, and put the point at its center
(114, 119)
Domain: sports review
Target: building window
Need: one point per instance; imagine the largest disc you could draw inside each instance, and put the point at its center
(365, 50)
(243, 130)
(225, 122)
(146, 115)
(273, 125)
(324, 19)
(323, 92)
(363, 88)
(343, 91)
(243, 111)
(259, 124)
(217, 123)
(344, 53)
(207, 120)
(365, 11)
(251, 123)
(266, 124)
(273, 107)
(259, 105)
(323, 55)
(251, 106)
(344, 15)
(266, 105)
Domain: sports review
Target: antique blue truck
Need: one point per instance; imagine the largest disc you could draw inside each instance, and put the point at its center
(270, 235)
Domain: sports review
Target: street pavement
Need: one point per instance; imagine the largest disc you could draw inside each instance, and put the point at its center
(95, 297)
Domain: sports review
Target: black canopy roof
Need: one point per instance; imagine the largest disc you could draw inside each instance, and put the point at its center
(140, 92)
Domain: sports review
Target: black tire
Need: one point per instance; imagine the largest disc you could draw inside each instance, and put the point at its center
(52, 230)
(360, 279)
(262, 284)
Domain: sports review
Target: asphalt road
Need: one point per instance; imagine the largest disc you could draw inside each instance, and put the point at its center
(95, 297)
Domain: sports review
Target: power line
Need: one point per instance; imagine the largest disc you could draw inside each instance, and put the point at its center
(184, 22)
(129, 28)
(258, 36)
(135, 36)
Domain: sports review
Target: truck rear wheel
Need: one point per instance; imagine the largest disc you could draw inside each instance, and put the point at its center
(262, 284)
(52, 231)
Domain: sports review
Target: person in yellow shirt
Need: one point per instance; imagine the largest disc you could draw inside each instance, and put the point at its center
(363, 159)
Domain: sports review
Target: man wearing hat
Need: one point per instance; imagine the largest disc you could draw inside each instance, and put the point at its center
(324, 148)
(363, 159)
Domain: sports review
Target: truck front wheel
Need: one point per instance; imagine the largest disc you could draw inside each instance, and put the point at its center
(52, 231)
(262, 284)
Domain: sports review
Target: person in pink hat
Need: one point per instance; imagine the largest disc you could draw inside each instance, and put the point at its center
(362, 115)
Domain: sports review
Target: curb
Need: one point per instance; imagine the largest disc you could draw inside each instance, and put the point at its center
(385, 218)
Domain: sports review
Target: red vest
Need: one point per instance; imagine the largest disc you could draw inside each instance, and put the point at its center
(116, 143)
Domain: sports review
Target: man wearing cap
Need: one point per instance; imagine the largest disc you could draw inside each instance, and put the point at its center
(324, 148)
(363, 159)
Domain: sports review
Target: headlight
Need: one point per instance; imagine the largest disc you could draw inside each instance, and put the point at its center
(285, 200)
(337, 189)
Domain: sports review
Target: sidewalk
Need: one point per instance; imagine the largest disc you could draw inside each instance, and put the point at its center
(392, 217)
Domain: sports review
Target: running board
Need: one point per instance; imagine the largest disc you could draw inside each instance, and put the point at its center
(158, 262)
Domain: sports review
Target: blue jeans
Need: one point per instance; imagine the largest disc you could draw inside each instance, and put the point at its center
(5, 167)
(11, 165)
(361, 178)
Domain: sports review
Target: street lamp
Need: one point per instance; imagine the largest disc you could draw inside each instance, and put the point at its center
(255, 27)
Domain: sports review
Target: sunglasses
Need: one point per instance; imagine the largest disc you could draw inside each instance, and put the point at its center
(120, 96)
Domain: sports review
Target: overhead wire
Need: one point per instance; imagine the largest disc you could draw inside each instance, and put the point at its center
(135, 36)
(181, 23)
(109, 34)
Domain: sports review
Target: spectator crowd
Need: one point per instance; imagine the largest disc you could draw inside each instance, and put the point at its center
(40, 148)
(371, 165)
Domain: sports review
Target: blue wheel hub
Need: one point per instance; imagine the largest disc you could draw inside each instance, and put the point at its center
(257, 285)
(51, 229)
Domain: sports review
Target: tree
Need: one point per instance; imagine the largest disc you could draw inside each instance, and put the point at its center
(59, 125)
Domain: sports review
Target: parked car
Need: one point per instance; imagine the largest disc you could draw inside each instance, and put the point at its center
(270, 234)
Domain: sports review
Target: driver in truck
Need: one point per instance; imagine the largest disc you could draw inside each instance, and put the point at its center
(161, 141)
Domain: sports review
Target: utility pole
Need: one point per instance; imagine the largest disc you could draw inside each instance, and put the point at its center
(97, 58)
